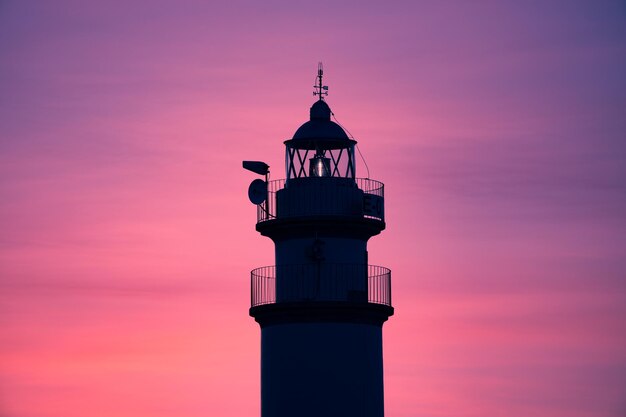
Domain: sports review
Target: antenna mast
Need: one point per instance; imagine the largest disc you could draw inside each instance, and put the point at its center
(321, 90)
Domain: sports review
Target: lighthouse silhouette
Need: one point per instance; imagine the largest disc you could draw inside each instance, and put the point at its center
(321, 307)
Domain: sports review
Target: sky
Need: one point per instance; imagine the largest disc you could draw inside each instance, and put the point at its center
(126, 235)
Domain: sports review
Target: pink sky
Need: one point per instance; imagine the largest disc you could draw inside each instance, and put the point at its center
(127, 238)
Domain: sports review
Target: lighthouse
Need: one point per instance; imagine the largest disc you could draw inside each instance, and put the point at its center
(321, 306)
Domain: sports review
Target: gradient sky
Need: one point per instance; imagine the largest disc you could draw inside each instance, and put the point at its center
(126, 236)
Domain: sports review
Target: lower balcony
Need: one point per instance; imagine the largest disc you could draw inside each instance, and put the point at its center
(320, 282)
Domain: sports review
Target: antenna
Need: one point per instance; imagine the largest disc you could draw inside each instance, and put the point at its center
(357, 145)
(321, 90)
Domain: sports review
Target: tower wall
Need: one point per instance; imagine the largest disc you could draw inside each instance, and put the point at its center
(318, 247)
(322, 369)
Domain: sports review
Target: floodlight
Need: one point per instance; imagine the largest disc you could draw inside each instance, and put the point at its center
(257, 167)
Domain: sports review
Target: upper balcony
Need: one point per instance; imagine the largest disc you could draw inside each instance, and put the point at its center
(302, 197)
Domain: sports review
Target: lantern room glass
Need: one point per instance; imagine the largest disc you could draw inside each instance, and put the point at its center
(303, 162)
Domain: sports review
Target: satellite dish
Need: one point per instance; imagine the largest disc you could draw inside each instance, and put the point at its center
(257, 192)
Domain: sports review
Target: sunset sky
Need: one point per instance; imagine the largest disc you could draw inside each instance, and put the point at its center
(126, 235)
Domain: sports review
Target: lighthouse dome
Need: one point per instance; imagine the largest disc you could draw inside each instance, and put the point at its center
(320, 127)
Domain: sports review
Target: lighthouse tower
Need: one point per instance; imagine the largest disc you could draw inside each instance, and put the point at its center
(321, 307)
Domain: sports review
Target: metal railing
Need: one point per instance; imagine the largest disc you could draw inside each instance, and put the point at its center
(268, 209)
(321, 282)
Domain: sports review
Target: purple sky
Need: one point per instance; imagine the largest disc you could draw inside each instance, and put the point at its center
(126, 237)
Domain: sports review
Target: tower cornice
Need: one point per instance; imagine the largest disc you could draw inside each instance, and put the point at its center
(321, 312)
(358, 227)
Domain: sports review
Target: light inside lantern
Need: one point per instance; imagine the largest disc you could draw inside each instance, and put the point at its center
(319, 166)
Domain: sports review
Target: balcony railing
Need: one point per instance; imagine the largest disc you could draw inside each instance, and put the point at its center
(321, 282)
(324, 196)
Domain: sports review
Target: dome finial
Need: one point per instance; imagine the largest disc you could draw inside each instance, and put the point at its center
(320, 89)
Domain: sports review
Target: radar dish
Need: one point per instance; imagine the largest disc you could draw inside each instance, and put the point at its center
(257, 192)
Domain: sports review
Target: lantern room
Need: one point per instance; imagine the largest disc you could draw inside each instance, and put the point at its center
(320, 147)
